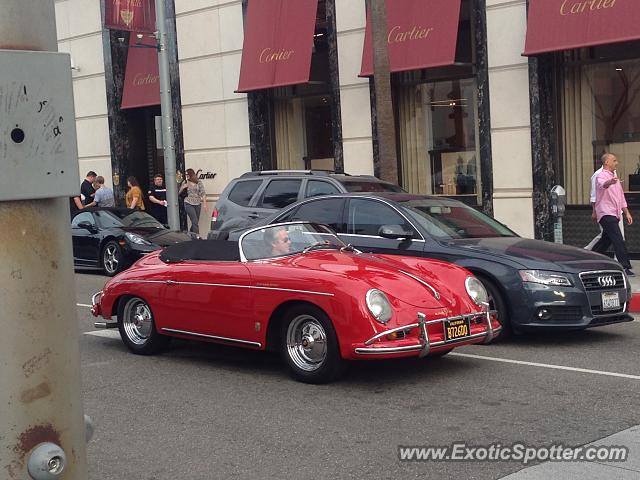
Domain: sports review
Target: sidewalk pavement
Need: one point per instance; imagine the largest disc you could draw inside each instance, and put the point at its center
(634, 305)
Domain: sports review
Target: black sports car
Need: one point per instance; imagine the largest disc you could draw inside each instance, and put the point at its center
(532, 284)
(113, 238)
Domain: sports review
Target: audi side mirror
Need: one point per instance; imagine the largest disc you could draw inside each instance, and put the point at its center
(394, 231)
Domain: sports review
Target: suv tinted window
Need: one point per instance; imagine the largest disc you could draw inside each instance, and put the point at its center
(318, 187)
(327, 211)
(242, 192)
(280, 193)
(369, 186)
(366, 217)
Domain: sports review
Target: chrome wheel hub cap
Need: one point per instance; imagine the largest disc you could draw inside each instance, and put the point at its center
(306, 343)
(137, 321)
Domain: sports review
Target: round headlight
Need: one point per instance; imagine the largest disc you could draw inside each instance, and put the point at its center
(379, 306)
(476, 291)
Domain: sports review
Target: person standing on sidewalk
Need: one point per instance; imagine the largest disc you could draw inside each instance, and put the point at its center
(104, 195)
(609, 203)
(158, 199)
(195, 200)
(133, 197)
(86, 187)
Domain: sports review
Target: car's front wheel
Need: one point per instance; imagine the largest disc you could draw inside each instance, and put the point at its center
(497, 303)
(137, 328)
(111, 258)
(310, 346)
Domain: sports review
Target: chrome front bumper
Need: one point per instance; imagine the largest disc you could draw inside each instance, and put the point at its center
(425, 346)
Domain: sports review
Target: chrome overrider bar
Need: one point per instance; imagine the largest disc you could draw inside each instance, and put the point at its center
(425, 345)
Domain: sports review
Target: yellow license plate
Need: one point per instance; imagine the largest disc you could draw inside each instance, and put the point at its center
(455, 329)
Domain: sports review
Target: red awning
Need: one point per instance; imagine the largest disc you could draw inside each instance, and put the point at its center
(131, 15)
(420, 34)
(564, 24)
(141, 78)
(278, 42)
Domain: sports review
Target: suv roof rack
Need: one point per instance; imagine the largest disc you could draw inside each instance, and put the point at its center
(287, 172)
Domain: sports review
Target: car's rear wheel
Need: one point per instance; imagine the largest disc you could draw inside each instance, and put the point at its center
(310, 346)
(111, 258)
(137, 328)
(497, 303)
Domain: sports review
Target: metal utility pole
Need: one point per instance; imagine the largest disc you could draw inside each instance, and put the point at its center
(41, 413)
(167, 119)
(385, 124)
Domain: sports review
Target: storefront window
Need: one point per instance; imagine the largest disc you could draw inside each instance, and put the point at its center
(601, 113)
(437, 120)
(302, 125)
(303, 131)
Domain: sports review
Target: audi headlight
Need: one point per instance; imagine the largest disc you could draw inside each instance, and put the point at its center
(137, 239)
(476, 290)
(379, 306)
(545, 278)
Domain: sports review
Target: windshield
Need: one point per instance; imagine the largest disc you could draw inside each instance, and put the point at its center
(126, 219)
(448, 220)
(354, 186)
(287, 239)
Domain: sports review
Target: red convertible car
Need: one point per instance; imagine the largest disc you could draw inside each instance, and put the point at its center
(297, 288)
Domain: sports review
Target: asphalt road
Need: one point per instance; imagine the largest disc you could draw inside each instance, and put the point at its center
(204, 411)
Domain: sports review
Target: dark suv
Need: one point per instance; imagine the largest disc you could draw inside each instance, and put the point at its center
(256, 195)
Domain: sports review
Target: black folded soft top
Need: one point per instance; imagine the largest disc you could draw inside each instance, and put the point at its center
(212, 250)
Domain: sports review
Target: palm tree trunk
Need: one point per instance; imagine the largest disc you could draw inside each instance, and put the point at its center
(385, 122)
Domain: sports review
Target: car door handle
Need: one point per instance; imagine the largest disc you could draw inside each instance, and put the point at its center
(253, 215)
(170, 282)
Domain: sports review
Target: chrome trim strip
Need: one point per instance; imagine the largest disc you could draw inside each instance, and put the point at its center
(419, 280)
(144, 281)
(226, 285)
(374, 236)
(212, 337)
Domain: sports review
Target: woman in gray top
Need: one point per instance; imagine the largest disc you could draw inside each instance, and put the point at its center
(195, 199)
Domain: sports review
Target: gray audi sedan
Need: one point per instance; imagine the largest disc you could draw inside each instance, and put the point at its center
(532, 284)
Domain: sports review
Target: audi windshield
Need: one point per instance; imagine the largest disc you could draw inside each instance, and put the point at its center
(448, 220)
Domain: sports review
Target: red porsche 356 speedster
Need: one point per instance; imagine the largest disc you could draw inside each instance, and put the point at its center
(297, 288)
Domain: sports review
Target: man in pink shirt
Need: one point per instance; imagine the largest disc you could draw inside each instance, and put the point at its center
(610, 202)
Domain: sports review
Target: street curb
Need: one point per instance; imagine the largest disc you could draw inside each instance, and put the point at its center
(634, 304)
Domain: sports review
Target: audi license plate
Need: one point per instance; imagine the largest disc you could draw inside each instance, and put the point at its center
(610, 301)
(455, 329)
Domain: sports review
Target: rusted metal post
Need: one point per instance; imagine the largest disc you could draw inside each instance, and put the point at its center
(40, 399)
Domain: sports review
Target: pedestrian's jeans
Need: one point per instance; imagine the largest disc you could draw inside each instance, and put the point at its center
(611, 235)
(193, 212)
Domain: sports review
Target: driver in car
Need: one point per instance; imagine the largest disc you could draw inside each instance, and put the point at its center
(278, 240)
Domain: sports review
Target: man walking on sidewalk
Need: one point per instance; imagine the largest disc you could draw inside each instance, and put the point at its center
(592, 200)
(610, 202)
